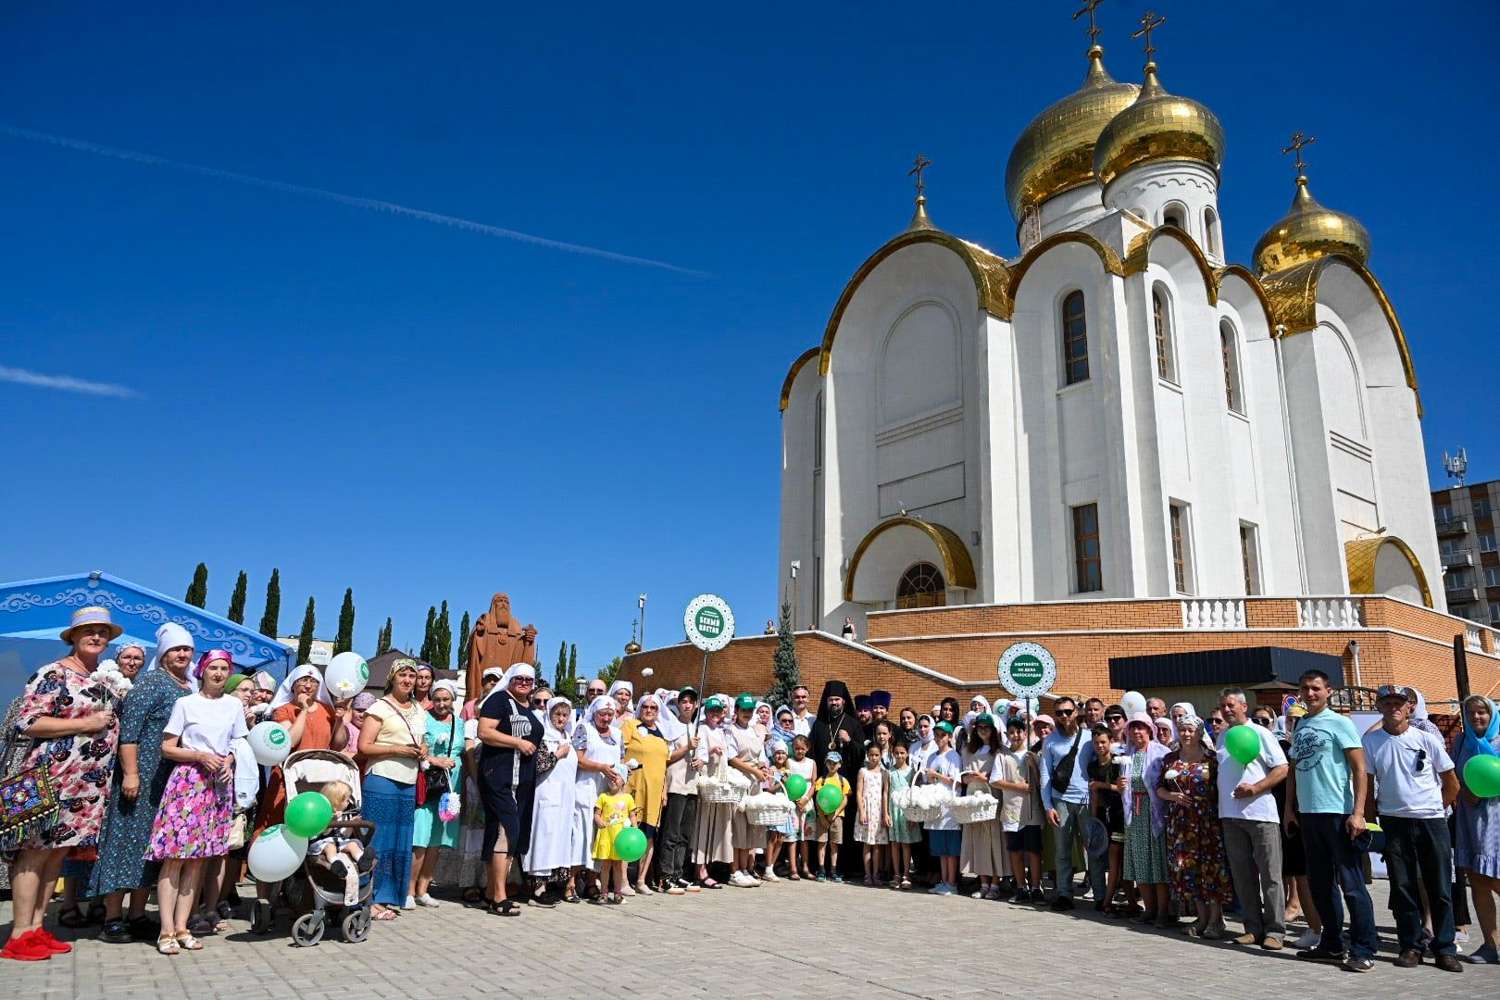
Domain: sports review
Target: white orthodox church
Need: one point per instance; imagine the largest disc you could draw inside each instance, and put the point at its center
(1119, 412)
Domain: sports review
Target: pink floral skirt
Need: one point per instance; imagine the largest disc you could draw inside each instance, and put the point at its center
(194, 818)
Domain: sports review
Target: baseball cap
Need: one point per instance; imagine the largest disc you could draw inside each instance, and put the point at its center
(689, 690)
(745, 703)
(1393, 691)
(945, 726)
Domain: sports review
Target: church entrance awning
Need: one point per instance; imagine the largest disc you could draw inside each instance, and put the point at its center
(33, 612)
(1221, 667)
(892, 546)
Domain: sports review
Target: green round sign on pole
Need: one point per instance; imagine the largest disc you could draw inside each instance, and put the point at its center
(1027, 670)
(708, 622)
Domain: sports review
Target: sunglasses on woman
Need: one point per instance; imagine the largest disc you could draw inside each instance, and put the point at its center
(1261, 720)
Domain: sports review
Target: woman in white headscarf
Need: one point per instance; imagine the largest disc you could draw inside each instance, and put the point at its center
(433, 826)
(622, 693)
(551, 854)
(597, 745)
(510, 733)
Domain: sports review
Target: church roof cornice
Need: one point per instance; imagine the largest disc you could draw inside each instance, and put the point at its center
(791, 375)
(1108, 258)
(958, 565)
(1139, 256)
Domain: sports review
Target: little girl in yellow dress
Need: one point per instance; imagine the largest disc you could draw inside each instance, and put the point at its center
(613, 811)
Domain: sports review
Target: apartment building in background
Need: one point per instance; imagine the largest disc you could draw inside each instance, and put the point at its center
(1465, 520)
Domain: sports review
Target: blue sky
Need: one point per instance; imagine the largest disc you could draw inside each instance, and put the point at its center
(422, 411)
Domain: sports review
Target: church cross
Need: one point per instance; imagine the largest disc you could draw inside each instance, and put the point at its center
(1300, 141)
(918, 165)
(1089, 6)
(1150, 21)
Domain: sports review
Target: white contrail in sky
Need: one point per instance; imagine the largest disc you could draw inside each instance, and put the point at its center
(65, 383)
(371, 204)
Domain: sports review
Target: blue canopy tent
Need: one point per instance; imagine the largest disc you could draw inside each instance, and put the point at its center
(33, 612)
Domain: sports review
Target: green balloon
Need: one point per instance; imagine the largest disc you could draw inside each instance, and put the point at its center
(630, 843)
(830, 797)
(1482, 775)
(1243, 743)
(309, 814)
(796, 786)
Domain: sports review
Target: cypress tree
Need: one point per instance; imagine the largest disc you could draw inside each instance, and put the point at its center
(197, 594)
(237, 601)
(442, 641)
(785, 669)
(572, 670)
(464, 630)
(560, 674)
(269, 620)
(304, 642)
(383, 640)
(344, 641)
(426, 654)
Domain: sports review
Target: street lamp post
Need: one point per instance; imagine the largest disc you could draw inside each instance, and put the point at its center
(796, 610)
(641, 603)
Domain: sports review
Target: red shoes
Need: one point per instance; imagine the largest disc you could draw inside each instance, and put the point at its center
(35, 946)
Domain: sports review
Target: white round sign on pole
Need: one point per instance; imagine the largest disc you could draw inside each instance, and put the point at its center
(1027, 670)
(708, 622)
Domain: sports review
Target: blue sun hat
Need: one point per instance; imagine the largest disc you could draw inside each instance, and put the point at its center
(92, 615)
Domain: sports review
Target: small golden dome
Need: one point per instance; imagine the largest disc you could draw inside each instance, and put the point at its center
(1055, 153)
(1308, 232)
(1158, 126)
(632, 647)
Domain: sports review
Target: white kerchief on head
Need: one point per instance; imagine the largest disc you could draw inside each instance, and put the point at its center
(548, 729)
(283, 694)
(446, 685)
(169, 636)
(621, 685)
(511, 673)
(672, 728)
(596, 706)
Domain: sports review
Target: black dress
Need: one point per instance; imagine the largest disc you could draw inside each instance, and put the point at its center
(507, 777)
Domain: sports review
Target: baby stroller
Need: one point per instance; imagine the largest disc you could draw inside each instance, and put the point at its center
(322, 889)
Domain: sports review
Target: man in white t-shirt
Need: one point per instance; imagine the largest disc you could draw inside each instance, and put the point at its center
(1252, 826)
(1414, 783)
(802, 716)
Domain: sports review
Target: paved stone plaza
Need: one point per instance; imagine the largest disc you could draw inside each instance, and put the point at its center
(788, 940)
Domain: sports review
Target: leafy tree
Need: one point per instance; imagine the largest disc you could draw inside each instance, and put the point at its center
(344, 641)
(608, 673)
(237, 601)
(442, 640)
(197, 594)
(465, 630)
(426, 654)
(383, 640)
(785, 669)
(269, 620)
(304, 642)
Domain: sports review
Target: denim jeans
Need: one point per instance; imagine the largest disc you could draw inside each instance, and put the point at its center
(1333, 862)
(1418, 851)
(1072, 815)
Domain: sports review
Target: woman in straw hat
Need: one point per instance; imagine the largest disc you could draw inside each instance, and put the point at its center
(70, 717)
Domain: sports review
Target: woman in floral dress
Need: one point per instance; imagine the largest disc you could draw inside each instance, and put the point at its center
(71, 719)
(1196, 872)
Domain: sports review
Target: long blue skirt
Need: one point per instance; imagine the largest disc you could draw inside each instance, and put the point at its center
(391, 807)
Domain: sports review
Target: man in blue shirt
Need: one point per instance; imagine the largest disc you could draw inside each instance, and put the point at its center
(1325, 798)
(1065, 792)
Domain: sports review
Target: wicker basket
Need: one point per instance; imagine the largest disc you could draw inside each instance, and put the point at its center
(725, 786)
(768, 809)
(927, 802)
(976, 807)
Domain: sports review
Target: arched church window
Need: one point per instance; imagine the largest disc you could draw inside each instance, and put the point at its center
(1229, 348)
(1211, 231)
(921, 586)
(1174, 215)
(1075, 336)
(1161, 321)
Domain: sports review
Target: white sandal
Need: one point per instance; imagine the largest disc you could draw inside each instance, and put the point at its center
(167, 945)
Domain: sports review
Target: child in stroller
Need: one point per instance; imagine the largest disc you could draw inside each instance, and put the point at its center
(343, 846)
(338, 847)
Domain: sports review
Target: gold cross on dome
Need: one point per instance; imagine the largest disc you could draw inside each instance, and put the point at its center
(1300, 141)
(1150, 21)
(918, 165)
(1089, 6)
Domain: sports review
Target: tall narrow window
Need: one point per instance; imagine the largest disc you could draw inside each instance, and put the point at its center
(1173, 215)
(1075, 340)
(1250, 555)
(1088, 573)
(1182, 548)
(1166, 360)
(1229, 348)
(1211, 231)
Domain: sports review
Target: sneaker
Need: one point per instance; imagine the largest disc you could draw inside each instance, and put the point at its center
(1307, 940)
(1461, 936)
(979, 894)
(1353, 964)
(770, 876)
(1485, 955)
(1448, 963)
(838, 877)
(44, 937)
(410, 904)
(1061, 904)
(742, 881)
(115, 932)
(939, 889)
(426, 900)
(25, 949)
(627, 891)
(822, 876)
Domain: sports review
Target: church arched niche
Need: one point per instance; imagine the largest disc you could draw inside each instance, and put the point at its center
(1343, 393)
(921, 586)
(919, 371)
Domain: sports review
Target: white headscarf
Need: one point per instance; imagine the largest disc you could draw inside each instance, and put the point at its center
(1186, 706)
(450, 686)
(169, 636)
(972, 714)
(621, 685)
(598, 704)
(672, 728)
(551, 735)
(283, 694)
(515, 670)
(650, 696)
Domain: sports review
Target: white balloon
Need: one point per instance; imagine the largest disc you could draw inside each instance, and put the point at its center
(346, 676)
(647, 672)
(1133, 703)
(276, 854)
(270, 742)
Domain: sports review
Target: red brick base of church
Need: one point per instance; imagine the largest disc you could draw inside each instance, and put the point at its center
(922, 655)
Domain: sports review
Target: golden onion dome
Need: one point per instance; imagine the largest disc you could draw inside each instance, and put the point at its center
(632, 647)
(1055, 153)
(1308, 232)
(1158, 126)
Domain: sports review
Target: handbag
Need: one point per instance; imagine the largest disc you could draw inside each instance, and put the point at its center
(437, 782)
(28, 800)
(545, 759)
(422, 779)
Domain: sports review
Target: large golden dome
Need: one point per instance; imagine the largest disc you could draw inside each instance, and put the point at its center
(1055, 153)
(1308, 232)
(1158, 126)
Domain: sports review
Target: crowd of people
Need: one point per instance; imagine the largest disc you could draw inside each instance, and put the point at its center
(519, 798)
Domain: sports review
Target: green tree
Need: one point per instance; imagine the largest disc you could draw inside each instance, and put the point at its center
(572, 672)
(560, 673)
(786, 671)
(442, 640)
(465, 629)
(344, 641)
(237, 601)
(383, 640)
(197, 594)
(608, 673)
(304, 642)
(426, 655)
(270, 620)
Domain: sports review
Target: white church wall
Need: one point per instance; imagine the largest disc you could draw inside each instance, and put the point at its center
(1318, 514)
(799, 510)
(1152, 189)
(1004, 521)
(1075, 209)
